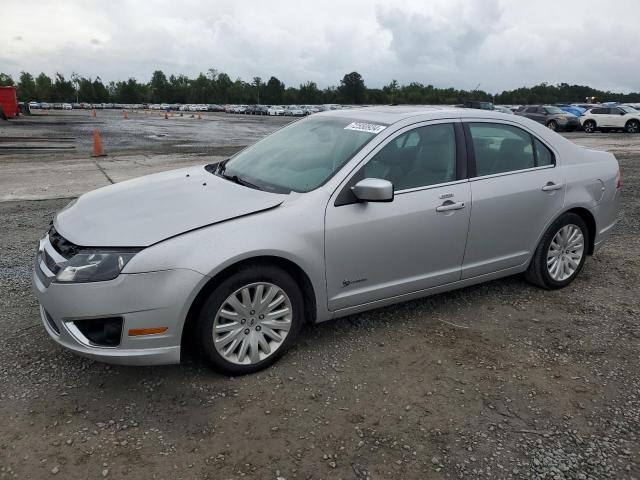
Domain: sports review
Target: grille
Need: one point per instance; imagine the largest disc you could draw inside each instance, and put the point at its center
(63, 246)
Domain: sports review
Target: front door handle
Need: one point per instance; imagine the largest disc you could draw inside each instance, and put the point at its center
(449, 205)
(550, 186)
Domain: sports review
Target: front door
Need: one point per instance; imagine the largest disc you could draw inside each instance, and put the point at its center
(376, 251)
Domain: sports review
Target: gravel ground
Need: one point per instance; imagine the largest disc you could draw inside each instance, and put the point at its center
(501, 380)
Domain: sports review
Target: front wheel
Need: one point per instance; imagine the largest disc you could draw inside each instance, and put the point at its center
(633, 126)
(589, 126)
(250, 320)
(561, 253)
(552, 125)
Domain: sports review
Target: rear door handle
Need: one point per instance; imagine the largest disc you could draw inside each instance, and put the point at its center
(449, 205)
(550, 186)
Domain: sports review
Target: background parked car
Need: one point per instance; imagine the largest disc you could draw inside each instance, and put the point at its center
(611, 118)
(275, 110)
(500, 108)
(309, 109)
(478, 104)
(551, 116)
(294, 111)
(572, 109)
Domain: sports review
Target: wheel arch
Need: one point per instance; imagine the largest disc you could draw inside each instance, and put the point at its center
(297, 272)
(590, 221)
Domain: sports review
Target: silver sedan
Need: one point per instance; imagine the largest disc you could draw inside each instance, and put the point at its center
(335, 214)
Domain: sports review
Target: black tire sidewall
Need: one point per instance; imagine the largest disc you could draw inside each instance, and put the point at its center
(589, 126)
(632, 122)
(545, 242)
(245, 276)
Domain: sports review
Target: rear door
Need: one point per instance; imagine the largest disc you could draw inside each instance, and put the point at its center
(516, 191)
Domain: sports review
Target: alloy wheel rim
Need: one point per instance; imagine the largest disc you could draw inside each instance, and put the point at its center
(565, 252)
(552, 125)
(252, 323)
(633, 127)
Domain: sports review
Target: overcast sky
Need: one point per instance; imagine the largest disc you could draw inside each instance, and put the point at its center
(460, 43)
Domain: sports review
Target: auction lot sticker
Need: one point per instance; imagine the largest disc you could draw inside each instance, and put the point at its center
(365, 127)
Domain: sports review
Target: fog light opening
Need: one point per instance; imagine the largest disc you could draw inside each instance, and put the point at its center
(103, 332)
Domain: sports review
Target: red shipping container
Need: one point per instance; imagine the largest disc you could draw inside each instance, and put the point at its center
(9, 101)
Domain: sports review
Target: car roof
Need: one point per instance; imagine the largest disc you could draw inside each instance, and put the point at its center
(394, 114)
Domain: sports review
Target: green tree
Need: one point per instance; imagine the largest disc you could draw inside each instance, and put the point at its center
(257, 83)
(27, 87)
(101, 93)
(44, 86)
(309, 93)
(223, 84)
(159, 87)
(352, 88)
(273, 92)
(5, 80)
(391, 91)
(86, 92)
(62, 90)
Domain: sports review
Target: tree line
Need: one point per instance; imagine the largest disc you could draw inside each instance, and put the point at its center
(214, 87)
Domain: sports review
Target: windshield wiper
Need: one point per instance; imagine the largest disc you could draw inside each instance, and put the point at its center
(222, 166)
(240, 181)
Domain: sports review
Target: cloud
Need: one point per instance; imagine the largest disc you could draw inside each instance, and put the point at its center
(457, 43)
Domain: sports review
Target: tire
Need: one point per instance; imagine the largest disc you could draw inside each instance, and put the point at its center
(225, 355)
(632, 126)
(589, 126)
(541, 271)
(552, 125)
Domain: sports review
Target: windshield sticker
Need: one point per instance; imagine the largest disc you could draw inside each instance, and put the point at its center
(365, 127)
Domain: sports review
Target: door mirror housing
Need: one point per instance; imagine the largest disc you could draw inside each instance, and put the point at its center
(373, 190)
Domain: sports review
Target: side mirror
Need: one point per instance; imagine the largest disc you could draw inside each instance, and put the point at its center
(373, 190)
(622, 113)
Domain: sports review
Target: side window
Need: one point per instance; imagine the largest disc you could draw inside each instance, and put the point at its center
(500, 148)
(544, 156)
(599, 111)
(532, 110)
(614, 111)
(418, 158)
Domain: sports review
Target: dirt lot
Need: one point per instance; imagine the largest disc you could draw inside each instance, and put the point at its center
(502, 380)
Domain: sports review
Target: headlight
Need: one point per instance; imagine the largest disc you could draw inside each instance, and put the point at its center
(94, 266)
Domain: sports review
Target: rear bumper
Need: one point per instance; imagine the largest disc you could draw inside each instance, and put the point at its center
(145, 300)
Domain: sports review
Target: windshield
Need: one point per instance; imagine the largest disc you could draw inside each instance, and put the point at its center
(555, 110)
(301, 156)
(628, 109)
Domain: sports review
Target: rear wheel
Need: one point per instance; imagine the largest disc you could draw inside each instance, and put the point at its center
(561, 253)
(633, 126)
(250, 320)
(552, 125)
(589, 126)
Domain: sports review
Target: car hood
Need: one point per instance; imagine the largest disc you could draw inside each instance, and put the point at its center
(146, 210)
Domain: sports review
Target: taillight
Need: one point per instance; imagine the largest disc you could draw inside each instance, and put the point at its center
(618, 181)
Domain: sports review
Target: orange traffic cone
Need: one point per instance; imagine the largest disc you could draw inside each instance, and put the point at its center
(97, 145)
(199, 116)
(125, 114)
(93, 113)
